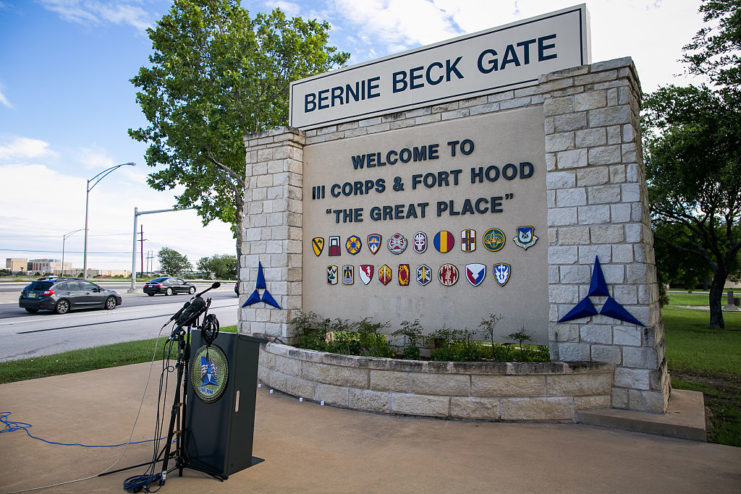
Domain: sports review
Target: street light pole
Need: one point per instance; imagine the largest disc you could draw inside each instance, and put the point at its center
(95, 180)
(138, 213)
(64, 239)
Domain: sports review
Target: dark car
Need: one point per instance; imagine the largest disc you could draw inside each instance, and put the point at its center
(168, 285)
(64, 294)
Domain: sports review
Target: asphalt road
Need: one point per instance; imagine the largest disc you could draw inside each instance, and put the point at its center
(9, 297)
(140, 317)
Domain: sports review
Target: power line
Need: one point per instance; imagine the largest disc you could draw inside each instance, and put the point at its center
(57, 251)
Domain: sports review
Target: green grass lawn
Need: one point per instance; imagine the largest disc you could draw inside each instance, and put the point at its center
(693, 348)
(709, 361)
(132, 352)
(685, 298)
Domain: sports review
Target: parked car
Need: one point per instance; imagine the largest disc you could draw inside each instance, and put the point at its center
(168, 285)
(64, 294)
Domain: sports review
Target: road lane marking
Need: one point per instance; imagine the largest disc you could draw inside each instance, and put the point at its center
(105, 322)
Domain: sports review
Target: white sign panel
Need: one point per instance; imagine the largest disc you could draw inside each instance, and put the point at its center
(497, 59)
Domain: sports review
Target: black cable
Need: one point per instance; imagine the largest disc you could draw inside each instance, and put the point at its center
(210, 329)
(137, 483)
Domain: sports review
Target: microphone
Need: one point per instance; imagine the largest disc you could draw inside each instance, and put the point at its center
(188, 314)
(195, 300)
(216, 284)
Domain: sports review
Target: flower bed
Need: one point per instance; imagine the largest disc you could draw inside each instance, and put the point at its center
(540, 391)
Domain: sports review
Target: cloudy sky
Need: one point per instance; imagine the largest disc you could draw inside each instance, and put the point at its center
(66, 103)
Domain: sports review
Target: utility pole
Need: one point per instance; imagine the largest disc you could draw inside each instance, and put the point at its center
(141, 249)
(150, 264)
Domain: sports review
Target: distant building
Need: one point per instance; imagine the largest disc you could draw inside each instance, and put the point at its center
(53, 266)
(16, 264)
(114, 272)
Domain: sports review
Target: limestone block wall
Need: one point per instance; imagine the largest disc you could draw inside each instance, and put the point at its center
(598, 207)
(469, 390)
(272, 229)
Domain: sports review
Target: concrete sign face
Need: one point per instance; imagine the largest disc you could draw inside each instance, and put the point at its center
(444, 223)
(501, 58)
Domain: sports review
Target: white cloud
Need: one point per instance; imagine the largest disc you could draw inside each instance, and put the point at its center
(291, 9)
(635, 28)
(96, 12)
(396, 23)
(3, 100)
(23, 148)
(94, 157)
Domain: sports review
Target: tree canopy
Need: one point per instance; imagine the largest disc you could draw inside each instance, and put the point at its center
(221, 266)
(216, 74)
(714, 51)
(173, 262)
(692, 150)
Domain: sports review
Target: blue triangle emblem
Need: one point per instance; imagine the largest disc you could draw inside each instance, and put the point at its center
(268, 299)
(254, 298)
(611, 307)
(617, 311)
(597, 286)
(266, 296)
(260, 277)
(585, 308)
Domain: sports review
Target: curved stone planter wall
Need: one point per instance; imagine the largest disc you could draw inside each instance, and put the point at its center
(469, 390)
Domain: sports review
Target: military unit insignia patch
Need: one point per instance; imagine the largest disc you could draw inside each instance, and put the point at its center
(424, 274)
(494, 239)
(475, 273)
(444, 241)
(525, 237)
(317, 243)
(501, 273)
(404, 274)
(448, 274)
(210, 379)
(332, 275)
(348, 275)
(334, 246)
(366, 273)
(374, 242)
(397, 243)
(384, 274)
(468, 240)
(419, 242)
(353, 244)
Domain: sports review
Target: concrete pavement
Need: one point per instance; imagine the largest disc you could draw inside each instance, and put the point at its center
(310, 448)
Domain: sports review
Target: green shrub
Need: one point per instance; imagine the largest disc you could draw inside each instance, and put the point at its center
(412, 333)
(364, 338)
(456, 345)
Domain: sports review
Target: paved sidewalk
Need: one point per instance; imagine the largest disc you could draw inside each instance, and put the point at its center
(313, 449)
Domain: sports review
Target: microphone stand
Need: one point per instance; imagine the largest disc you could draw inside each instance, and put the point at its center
(185, 318)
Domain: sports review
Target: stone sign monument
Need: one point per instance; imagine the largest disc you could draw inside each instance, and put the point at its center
(498, 172)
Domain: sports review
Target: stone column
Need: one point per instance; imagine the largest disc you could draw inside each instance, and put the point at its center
(598, 207)
(272, 229)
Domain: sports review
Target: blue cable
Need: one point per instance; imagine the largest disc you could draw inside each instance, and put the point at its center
(11, 426)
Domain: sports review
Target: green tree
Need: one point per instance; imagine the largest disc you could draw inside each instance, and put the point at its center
(693, 168)
(677, 262)
(173, 262)
(221, 266)
(216, 74)
(714, 51)
(692, 150)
